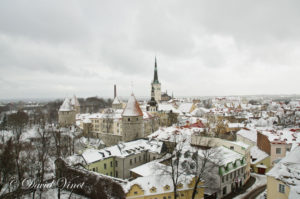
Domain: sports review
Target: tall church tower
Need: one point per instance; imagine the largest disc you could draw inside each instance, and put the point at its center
(156, 85)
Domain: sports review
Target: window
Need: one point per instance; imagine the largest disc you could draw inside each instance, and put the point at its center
(154, 157)
(223, 179)
(111, 164)
(116, 163)
(169, 197)
(137, 119)
(104, 165)
(224, 190)
(130, 161)
(226, 177)
(165, 197)
(110, 173)
(94, 169)
(281, 188)
(167, 187)
(116, 173)
(278, 150)
(153, 189)
(135, 193)
(140, 158)
(232, 147)
(134, 160)
(230, 175)
(128, 119)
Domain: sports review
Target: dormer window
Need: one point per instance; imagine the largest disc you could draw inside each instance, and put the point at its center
(153, 189)
(179, 186)
(167, 187)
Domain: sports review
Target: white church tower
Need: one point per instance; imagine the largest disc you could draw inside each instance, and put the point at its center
(156, 85)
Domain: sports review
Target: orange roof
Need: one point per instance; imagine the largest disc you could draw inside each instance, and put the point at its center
(132, 107)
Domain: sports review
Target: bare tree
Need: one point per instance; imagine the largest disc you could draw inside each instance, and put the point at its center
(42, 147)
(7, 164)
(17, 123)
(202, 165)
(108, 120)
(57, 141)
(173, 166)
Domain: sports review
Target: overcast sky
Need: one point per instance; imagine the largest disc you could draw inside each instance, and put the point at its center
(60, 48)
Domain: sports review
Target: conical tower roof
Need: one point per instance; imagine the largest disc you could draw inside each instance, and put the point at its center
(155, 79)
(66, 106)
(132, 107)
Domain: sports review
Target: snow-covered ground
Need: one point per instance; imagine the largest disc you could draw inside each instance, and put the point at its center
(262, 195)
(260, 180)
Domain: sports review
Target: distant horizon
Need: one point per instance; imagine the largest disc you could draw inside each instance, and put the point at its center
(46, 99)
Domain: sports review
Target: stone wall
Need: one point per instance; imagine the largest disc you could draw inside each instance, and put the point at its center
(95, 185)
(110, 139)
(132, 128)
(66, 118)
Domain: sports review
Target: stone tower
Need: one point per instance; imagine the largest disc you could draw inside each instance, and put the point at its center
(132, 121)
(156, 85)
(66, 113)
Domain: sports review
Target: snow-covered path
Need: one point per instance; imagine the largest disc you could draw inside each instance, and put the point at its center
(260, 180)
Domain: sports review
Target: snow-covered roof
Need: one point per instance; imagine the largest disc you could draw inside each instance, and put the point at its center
(257, 155)
(116, 101)
(132, 107)
(74, 101)
(159, 182)
(250, 134)
(167, 108)
(66, 106)
(235, 125)
(288, 171)
(225, 156)
(150, 168)
(285, 136)
(122, 150)
(185, 107)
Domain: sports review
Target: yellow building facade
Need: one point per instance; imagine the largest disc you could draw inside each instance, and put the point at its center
(184, 191)
(277, 189)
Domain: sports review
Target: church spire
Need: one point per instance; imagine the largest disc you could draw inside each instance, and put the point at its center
(155, 80)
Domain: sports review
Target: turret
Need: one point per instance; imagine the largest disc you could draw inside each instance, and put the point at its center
(132, 120)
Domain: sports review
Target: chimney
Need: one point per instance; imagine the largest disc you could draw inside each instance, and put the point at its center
(115, 91)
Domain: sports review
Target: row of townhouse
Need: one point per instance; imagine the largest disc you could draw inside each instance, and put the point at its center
(231, 169)
(117, 160)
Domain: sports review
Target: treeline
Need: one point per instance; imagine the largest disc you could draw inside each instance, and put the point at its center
(93, 104)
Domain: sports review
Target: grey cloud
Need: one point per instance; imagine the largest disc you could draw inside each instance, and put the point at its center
(203, 47)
